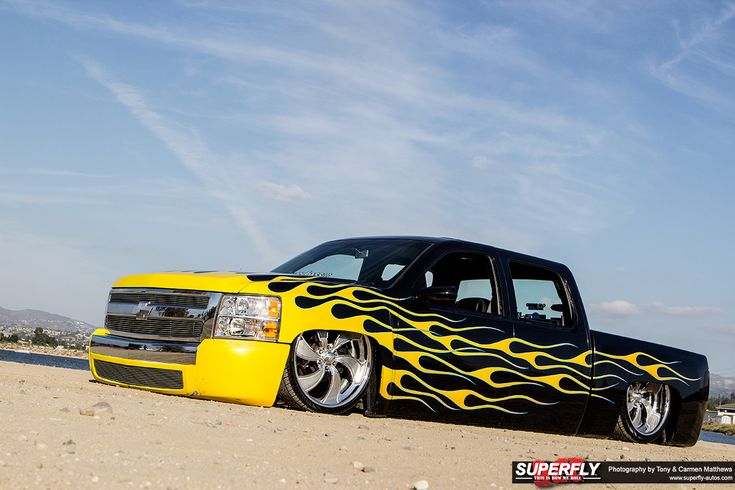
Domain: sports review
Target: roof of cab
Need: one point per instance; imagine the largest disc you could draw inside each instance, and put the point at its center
(457, 241)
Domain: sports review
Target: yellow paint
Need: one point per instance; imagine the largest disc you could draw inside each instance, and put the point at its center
(230, 370)
(651, 369)
(220, 282)
(459, 396)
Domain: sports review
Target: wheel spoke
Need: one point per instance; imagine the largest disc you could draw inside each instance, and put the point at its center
(349, 363)
(335, 386)
(330, 369)
(652, 421)
(636, 421)
(630, 404)
(323, 338)
(305, 351)
(648, 406)
(309, 381)
(340, 341)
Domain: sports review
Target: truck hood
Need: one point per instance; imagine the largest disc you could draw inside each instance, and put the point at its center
(214, 281)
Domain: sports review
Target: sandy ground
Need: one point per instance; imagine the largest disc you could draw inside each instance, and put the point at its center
(158, 441)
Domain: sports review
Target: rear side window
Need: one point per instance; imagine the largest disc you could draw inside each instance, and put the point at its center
(540, 295)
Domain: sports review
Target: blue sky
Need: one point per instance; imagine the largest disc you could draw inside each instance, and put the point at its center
(144, 136)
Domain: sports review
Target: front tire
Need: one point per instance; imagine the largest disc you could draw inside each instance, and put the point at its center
(327, 371)
(645, 412)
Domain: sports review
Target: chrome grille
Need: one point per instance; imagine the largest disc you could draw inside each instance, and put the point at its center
(159, 326)
(166, 314)
(199, 301)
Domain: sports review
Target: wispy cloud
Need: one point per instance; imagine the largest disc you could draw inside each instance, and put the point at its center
(701, 67)
(684, 310)
(615, 308)
(282, 192)
(626, 308)
(401, 83)
(191, 151)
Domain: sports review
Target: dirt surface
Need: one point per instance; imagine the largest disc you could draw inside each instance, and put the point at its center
(146, 440)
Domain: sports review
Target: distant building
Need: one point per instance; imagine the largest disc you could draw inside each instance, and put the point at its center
(726, 413)
(710, 416)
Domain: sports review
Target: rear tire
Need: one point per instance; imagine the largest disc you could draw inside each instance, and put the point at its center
(645, 412)
(327, 371)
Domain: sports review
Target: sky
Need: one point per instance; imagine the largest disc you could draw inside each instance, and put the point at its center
(146, 136)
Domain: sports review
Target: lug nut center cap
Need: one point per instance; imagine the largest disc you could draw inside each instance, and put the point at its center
(328, 358)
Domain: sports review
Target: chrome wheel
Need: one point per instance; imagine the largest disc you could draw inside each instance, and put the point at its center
(332, 368)
(647, 407)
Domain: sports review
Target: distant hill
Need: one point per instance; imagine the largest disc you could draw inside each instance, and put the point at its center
(720, 385)
(43, 319)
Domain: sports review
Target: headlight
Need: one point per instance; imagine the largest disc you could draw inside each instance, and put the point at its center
(252, 317)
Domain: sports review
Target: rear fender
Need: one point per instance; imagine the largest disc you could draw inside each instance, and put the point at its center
(619, 361)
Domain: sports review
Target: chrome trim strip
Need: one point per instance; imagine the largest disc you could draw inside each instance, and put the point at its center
(170, 292)
(154, 311)
(155, 351)
(147, 337)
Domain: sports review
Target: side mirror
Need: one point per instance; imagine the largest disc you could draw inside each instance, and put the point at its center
(437, 294)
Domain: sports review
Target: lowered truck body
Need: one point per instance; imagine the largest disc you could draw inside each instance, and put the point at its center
(414, 327)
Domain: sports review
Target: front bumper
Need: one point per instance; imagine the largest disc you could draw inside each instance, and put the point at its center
(242, 371)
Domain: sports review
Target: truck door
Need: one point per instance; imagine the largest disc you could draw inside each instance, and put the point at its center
(445, 355)
(552, 347)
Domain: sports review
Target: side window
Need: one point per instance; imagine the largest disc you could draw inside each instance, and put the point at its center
(473, 277)
(390, 271)
(540, 295)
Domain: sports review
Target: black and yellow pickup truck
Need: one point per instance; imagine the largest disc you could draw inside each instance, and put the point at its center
(432, 328)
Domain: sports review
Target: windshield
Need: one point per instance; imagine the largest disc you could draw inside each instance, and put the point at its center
(374, 262)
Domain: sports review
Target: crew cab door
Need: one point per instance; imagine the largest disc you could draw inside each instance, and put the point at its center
(551, 344)
(446, 357)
